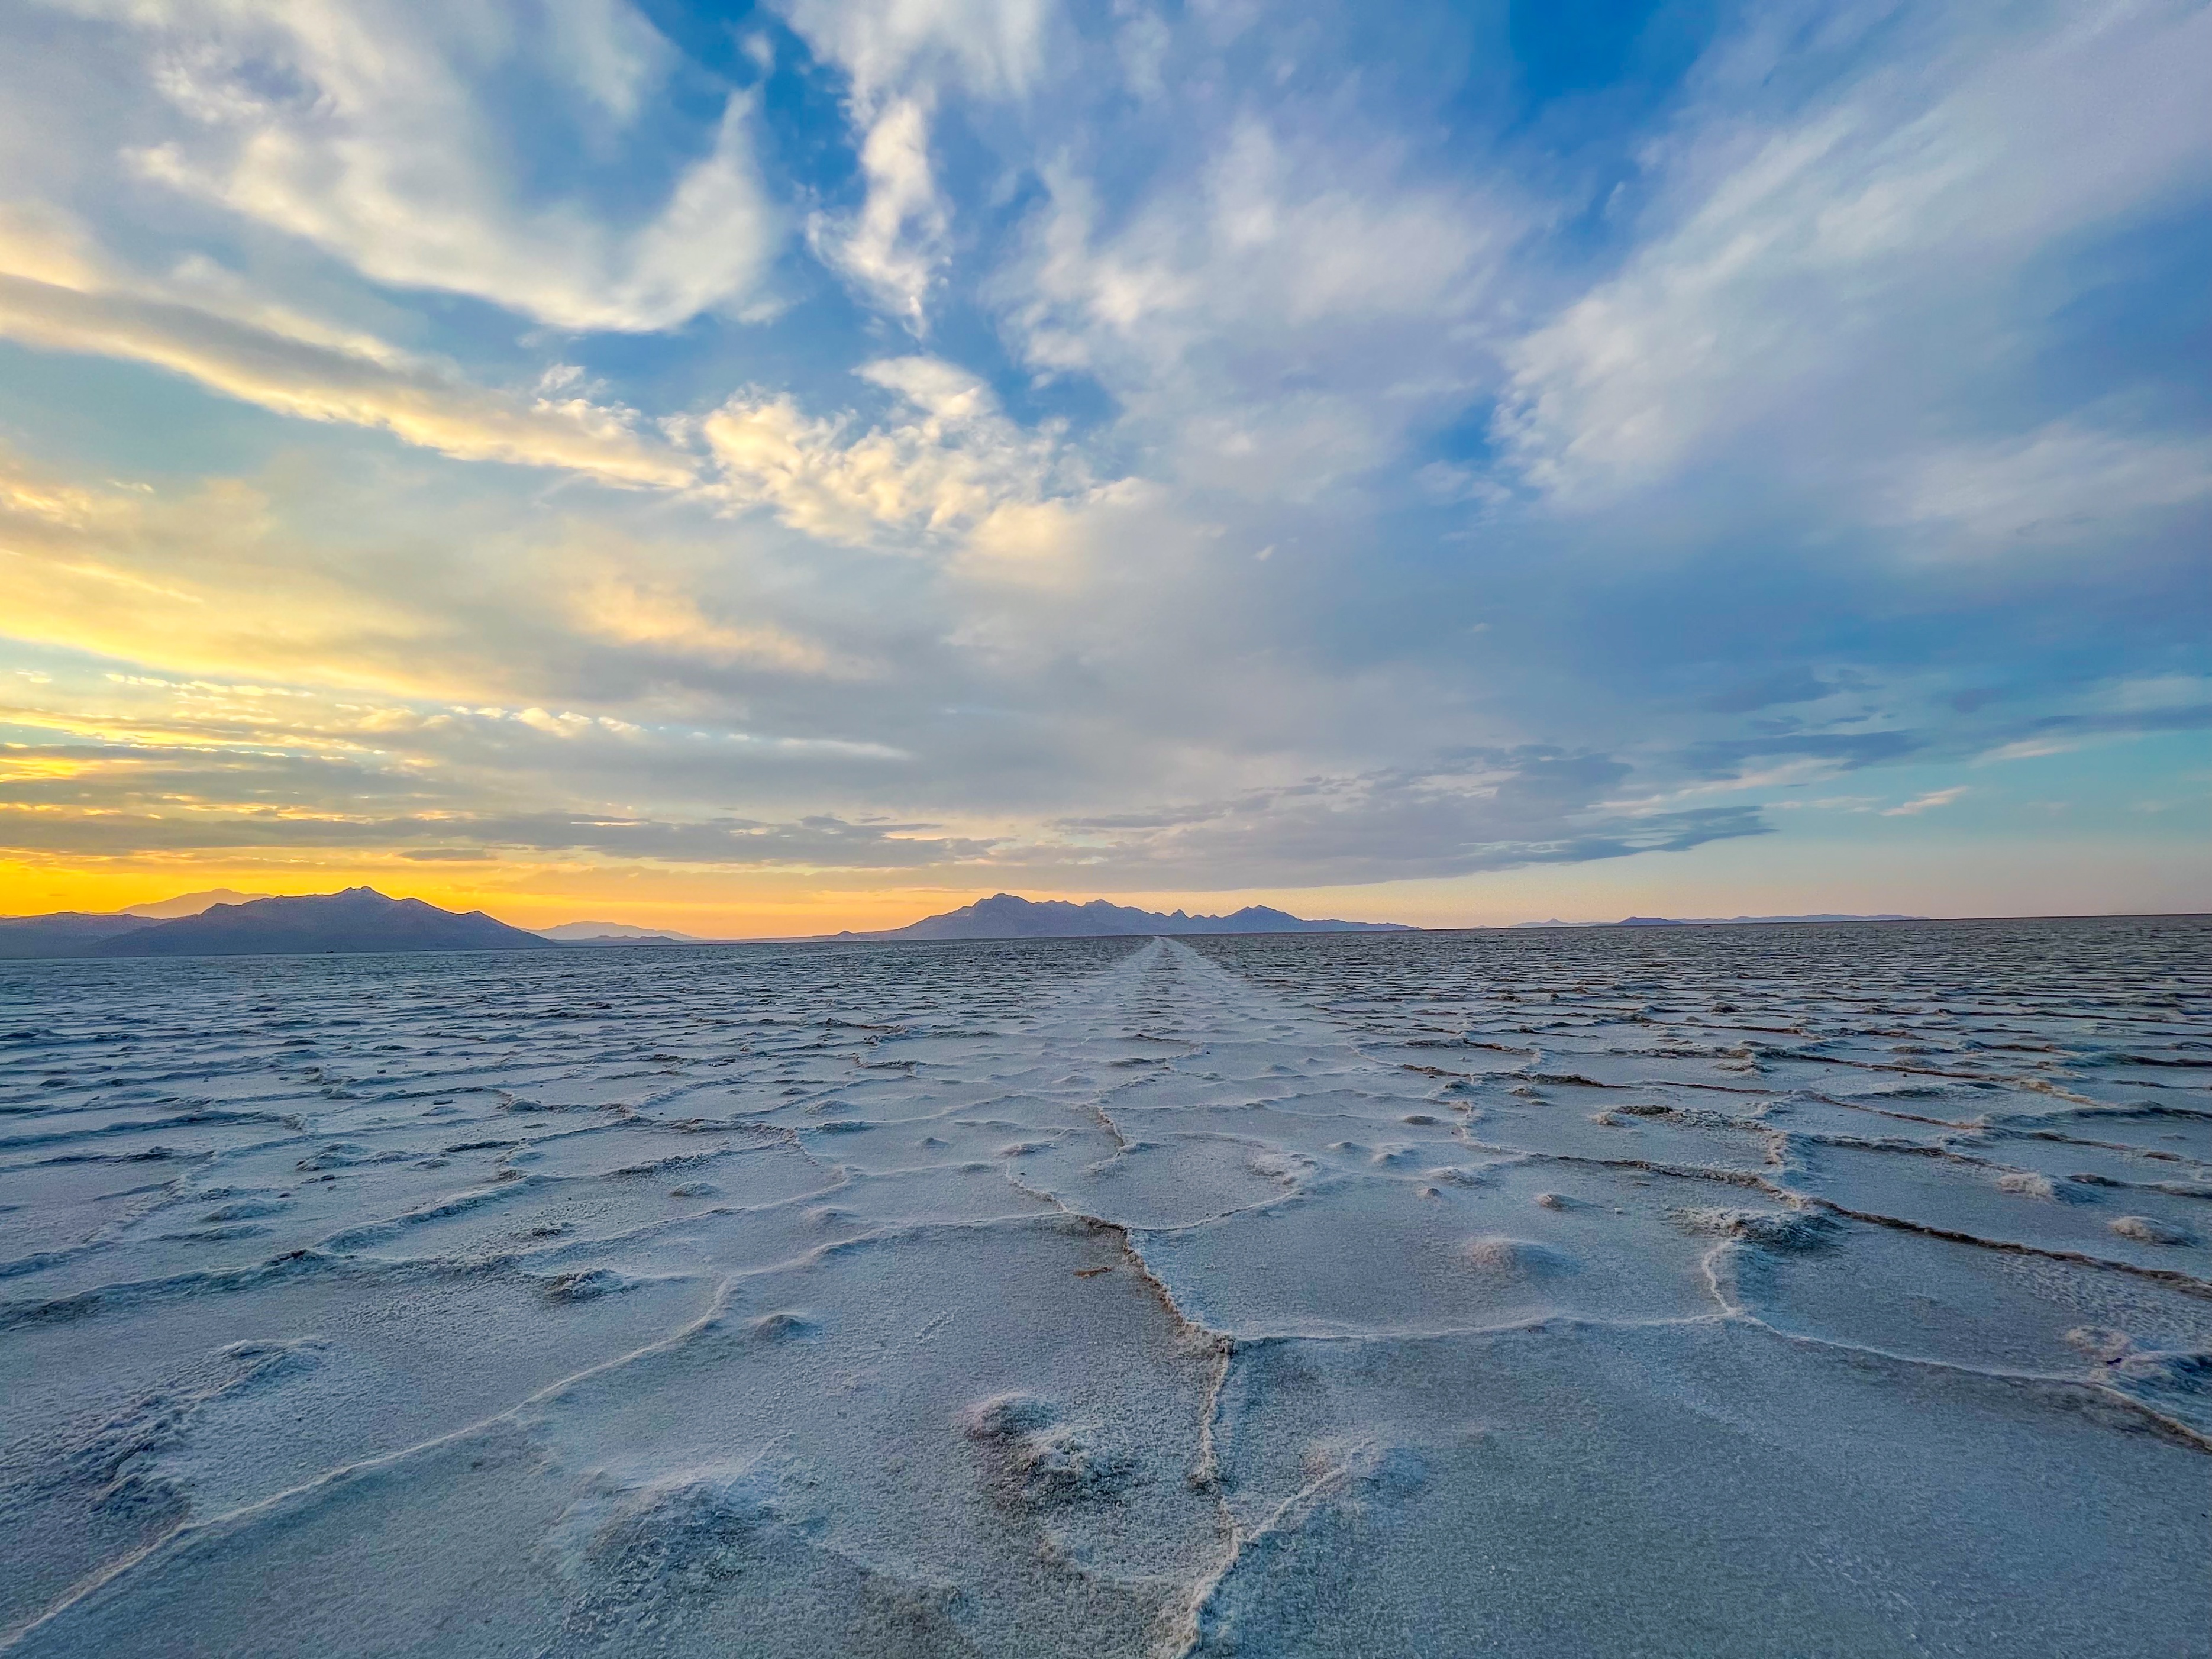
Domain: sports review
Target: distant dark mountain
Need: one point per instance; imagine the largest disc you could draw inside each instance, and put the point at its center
(62, 933)
(358, 921)
(1004, 915)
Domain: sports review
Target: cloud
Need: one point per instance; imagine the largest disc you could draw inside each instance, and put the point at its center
(894, 246)
(2025, 749)
(1492, 809)
(670, 622)
(41, 243)
(356, 385)
(65, 295)
(989, 47)
(267, 577)
(1277, 309)
(951, 466)
(1927, 803)
(1783, 686)
(610, 50)
(1819, 265)
(817, 842)
(1268, 235)
(365, 127)
(901, 58)
(2061, 483)
(1846, 750)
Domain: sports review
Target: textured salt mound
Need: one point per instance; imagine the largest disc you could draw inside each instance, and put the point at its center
(1782, 1229)
(1570, 1292)
(2150, 1229)
(1515, 1255)
(1623, 1490)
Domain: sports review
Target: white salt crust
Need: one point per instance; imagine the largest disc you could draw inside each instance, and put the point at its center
(1728, 1292)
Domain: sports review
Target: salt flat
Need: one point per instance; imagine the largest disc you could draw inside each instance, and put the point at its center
(1753, 1290)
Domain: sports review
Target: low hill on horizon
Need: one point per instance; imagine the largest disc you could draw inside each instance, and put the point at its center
(357, 922)
(62, 933)
(616, 933)
(1008, 915)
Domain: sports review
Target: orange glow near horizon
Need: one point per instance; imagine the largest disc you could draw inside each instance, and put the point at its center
(1757, 877)
(709, 904)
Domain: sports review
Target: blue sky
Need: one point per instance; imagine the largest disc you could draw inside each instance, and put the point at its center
(791, 464)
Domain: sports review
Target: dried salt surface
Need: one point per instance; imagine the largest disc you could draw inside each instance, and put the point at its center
(1746, 1292)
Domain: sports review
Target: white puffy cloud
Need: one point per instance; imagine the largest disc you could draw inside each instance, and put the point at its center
(952, 466)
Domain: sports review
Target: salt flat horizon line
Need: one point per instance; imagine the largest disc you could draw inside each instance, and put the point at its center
(238, 925)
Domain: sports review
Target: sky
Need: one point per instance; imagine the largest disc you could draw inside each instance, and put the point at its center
(767, 469)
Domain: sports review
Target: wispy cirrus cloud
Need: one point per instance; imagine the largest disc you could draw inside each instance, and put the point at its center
(315, 380)
(901, 58)
(1927, 803)
(366, 128)
(1812, 265)
(2061, 484)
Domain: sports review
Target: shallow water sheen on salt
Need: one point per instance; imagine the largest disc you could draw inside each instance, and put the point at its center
(1750, 1291)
